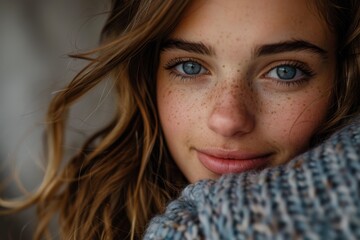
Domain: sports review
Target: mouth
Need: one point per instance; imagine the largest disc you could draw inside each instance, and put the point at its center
(225, 161)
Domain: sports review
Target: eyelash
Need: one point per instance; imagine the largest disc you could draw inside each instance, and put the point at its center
(299, 66)
(177, 61)
(304, 68)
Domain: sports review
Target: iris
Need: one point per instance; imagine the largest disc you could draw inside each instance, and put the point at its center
(286, 72)
(191, 68)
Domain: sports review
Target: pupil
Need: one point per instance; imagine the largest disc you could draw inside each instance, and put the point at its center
(191, 68)
(286, 72)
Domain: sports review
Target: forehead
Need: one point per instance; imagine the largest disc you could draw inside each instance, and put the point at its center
(255, 20)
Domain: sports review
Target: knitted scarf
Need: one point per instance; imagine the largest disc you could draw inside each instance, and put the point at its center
(314, 196)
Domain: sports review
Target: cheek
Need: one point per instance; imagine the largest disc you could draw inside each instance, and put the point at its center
(169, 106)
(176, 110)
(295, 119)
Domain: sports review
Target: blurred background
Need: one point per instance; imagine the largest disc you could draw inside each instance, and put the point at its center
(35, 38)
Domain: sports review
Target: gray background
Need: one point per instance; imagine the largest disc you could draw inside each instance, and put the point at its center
(35, 38)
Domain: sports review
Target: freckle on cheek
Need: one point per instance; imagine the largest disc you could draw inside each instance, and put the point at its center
(249, 84)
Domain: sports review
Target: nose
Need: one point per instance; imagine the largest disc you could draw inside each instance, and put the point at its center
(231, 114)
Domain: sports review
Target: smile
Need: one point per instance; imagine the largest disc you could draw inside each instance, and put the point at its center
(223, 162)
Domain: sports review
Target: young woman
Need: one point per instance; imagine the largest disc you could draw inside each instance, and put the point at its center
(204, 88)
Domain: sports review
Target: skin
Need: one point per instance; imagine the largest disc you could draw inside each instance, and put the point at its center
(237, 103)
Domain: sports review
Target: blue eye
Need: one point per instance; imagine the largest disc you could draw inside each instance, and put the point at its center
(286, 72)
(190, 68)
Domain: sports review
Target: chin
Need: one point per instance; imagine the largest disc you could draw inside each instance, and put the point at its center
(202, 176)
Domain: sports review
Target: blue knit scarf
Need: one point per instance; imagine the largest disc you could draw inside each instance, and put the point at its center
(314, 196)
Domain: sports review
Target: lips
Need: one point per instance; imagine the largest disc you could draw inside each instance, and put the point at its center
(224, 161)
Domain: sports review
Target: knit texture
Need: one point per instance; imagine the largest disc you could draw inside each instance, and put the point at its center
(314, 196)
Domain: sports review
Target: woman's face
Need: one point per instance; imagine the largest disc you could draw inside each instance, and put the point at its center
(243, 84)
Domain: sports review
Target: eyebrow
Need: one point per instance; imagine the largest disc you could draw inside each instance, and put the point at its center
(290, 46)
(263, 50)
(194, 47)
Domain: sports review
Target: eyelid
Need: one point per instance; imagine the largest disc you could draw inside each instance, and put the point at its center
(178, 60)
(303, 67)
(174, 62)
(308, 72)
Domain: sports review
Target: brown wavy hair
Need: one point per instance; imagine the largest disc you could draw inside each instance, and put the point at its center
(343, 18)
(123, 175)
